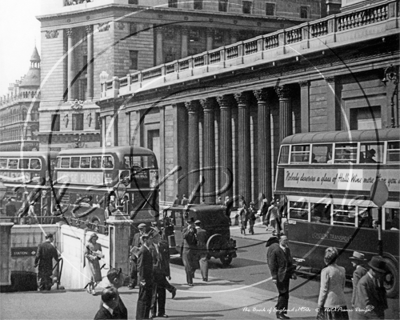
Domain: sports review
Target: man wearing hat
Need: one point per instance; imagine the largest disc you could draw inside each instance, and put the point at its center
(371, 302)
(44, 261)
(357, 260)
(145, 269)
(135, 246)
(202, 255)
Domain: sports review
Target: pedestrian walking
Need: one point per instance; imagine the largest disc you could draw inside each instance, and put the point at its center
(202, 255)
(161, 271)
(243, 215)
(331, 300)
(252, 217)
(93, 254)
(371, 300)
(228, 204)
(273, 218)
(109, 298)
(145, 269)
(116, 279)
(134, 252)
(44, 262)
(264, 209)
(184, 201)
(189, 251)
(357, 261)
(280, 263)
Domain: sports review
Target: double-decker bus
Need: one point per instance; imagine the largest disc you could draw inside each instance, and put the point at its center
(325, 180)
(26, 175)
(92, 184)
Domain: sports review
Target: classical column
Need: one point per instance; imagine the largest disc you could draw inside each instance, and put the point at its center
(264, 143)
(243, 101)
(285, 112)
(70, 73)
(210, 39)
(193, 150)
(181, 147)
(90, 61)
(333, 103)
(159, 45)
(209, 149)
(225, 144)
(184, 42)
(305, 106)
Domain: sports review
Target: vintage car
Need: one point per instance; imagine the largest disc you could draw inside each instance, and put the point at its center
(213, 219)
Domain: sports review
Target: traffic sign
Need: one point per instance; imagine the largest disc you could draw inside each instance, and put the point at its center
(379, 193)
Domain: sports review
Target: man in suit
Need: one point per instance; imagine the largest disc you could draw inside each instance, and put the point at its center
(116, 279)
(109, 298)
(357, 261)
(189, 251)
(280, 264)
(44, 261)
(202, 255)
(161, 270)
(371, 301)
(145, 268)
(136, 244)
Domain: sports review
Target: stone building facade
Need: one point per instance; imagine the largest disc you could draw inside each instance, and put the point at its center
(220, 115)
(86, 41)
(19, 115)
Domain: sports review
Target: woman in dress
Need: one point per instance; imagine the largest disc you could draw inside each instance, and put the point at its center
(331, 301)
(93, 254)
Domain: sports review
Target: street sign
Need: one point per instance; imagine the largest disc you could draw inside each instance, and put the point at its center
(379, 193)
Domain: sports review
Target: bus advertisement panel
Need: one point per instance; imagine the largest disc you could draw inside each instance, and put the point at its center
(325, 180)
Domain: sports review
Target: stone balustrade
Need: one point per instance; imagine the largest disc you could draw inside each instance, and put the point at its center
(10, 99)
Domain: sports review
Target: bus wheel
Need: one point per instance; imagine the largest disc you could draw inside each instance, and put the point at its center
(391, 280)
(226, 261)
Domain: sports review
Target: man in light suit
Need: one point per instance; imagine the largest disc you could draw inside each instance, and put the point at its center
(371, 301)
(280, 264)
(357, 261)
(201, 253)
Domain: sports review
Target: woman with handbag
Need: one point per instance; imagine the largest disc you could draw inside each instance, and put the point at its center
(331, 300)
(93, 254)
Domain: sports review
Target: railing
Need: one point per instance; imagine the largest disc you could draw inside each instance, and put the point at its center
(20, 96)
(75, 2)
(299, 37)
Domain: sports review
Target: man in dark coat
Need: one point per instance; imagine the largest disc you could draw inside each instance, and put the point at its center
(280, 264)
(136, 244)
(202, 255)
(145, 268)
(161, 270)
(189, 251)
(116, 278)
(371, 301)
(44, 261)
(109, 298)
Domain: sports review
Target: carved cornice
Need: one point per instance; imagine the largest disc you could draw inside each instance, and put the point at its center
(51, 34)
(225, 101)
(192, 106)
(304, 84)
(69, 33)
(89, 29)
(283, 92)
(208, 104)
(261, 95)
(242, 98)
(120, 25)
(103, 26)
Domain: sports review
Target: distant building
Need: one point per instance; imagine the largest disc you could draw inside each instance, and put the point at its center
(86, 41)
(19, 116)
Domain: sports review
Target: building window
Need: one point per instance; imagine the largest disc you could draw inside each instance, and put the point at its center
(133, 2)
(270, 9)
(133, 29)
(303, 12)
(77, 122)
(198, 4)
(173, 3)
(223, 5)
(246, 6)
(133, 59)
(84, 63)
(55, 122)
(97, 121)
(365, 118)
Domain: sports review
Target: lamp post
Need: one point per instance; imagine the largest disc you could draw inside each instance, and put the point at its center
(391, 75)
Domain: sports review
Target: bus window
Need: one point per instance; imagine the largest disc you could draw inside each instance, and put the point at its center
(298, 210)
(96, 162)
(346, 153)
(321, 212)
(284, 155)
(321, 153)
(12, 163)
(393, 152)
(23, 163)
(108, 162)
(85, 162)
(127, 164)
(391, 219)
(3, 163)
(365, 219)
(65, 162)
(35, 164)
(343, 214)
(75, 162)
(371, 153)
(300, 154)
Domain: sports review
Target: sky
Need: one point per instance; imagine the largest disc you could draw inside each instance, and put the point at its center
(18, 31)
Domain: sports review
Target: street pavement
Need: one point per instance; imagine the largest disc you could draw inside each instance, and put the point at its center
(215, 299)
